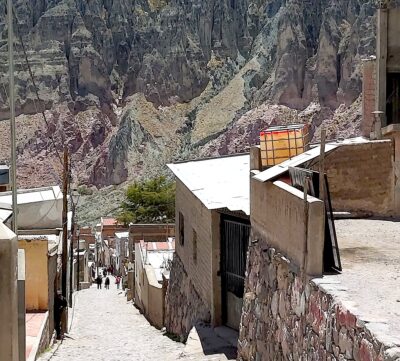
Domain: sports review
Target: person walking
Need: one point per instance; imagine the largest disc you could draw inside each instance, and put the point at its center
(117, 281)
(107, 283)
(60, 303)
(99, 281)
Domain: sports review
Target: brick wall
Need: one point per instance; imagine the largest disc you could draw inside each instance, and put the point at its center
(368, 94)
(286, 317)
(361, 177)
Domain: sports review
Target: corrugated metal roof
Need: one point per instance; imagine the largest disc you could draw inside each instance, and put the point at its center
(218, 183)
(33, 195)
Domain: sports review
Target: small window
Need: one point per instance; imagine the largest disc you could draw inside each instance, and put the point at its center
(181, 229)
(194, 246)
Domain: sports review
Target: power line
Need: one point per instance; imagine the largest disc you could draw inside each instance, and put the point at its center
(42, 111)
(34, 84)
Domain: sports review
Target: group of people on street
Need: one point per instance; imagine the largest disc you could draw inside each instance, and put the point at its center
(99, 279)
(60, 303)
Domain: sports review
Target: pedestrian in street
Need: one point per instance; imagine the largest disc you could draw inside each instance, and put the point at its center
(99, 281)
(60, 303)
(107, 283)
(117, 281)
(105, 271)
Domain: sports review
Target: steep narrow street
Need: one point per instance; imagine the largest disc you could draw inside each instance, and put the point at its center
(105, 327)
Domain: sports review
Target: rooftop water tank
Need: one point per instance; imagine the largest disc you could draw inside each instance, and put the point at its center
(283, 142)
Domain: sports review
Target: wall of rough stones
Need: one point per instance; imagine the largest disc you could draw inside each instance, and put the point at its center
(286, 317)
(184, 308)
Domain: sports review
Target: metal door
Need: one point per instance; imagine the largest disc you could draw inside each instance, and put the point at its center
(235, 233)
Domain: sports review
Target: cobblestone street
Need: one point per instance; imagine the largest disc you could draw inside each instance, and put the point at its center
(105, 327)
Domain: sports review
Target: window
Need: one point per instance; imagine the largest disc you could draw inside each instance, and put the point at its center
(393, 98)
(194, 246)
(181, 229)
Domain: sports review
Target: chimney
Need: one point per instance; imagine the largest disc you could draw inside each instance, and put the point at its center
(368, 96)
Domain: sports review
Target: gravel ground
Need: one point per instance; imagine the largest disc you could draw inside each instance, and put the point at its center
(370, 281)
(106, 327)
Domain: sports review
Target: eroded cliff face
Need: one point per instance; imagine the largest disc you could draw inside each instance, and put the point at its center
(131, 84)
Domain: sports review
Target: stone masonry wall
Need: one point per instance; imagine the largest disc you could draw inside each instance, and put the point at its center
(285, 317)
(184, 308)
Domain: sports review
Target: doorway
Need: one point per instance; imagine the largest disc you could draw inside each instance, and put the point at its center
(235, 233)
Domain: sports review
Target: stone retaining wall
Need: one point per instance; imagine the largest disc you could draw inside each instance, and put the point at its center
(285, 317)
(183, 306)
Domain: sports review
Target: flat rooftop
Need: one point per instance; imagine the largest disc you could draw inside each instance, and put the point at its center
(369, 285)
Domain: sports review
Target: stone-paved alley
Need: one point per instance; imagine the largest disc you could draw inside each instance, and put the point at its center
(105, 327)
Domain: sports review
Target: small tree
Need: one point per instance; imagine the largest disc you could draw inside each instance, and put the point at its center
(151, 201)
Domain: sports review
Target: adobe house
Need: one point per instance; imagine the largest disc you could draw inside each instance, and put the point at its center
(121, 251)
(156, 232)
(87, 234)
(381, 88)
(212, 223)
(152, 232)
(108, 227)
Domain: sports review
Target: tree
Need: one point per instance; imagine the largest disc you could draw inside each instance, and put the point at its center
(151, 201)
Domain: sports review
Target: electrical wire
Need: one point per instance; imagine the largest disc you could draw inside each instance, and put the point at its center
(34, 83)
(42, 111)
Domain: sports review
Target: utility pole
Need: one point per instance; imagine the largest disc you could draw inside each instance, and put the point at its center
(65, 224)
(79, 260)
(12, 117)
(322, 166)
(71, 261)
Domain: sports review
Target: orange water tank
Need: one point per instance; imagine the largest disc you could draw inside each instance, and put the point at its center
(283, 142)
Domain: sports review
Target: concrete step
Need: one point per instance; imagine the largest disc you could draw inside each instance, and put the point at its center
(204, 343)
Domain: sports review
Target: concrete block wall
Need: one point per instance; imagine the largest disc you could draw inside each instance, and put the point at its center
(286, 316)
(361, 177)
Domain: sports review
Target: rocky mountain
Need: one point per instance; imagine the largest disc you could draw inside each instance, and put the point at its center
(131, 84)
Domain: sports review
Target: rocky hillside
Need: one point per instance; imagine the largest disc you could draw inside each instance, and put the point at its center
(131, 84)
